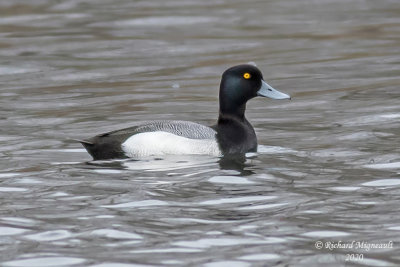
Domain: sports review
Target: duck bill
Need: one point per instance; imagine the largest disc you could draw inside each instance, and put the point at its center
(267, 90)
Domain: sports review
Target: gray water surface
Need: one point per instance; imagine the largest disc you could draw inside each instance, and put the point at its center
(328, 165)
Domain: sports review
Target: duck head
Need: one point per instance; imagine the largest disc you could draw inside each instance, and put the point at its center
(240, 84)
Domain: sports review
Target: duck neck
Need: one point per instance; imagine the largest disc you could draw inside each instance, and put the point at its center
(231, 102)
(234, 111)
(237, 113)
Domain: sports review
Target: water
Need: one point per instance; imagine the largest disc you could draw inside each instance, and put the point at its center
(328, 163)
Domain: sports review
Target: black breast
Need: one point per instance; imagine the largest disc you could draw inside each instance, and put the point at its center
(235, 135)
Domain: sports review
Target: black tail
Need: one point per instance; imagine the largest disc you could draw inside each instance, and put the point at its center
(101, 150)
(85, 143)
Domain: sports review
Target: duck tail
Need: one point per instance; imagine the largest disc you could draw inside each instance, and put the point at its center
(83, 142)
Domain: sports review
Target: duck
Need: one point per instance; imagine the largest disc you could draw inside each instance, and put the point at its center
(231, 135)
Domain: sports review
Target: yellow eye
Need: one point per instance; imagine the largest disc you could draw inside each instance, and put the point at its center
(247, 76)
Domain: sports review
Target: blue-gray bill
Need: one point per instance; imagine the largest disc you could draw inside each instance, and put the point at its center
(267, 90)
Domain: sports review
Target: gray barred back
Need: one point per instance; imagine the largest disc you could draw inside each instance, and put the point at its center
(182, 128)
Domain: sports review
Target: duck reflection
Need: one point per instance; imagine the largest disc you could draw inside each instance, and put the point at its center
(238, 163)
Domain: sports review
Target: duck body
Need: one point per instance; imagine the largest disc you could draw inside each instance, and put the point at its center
(232, 134)
(154, 138)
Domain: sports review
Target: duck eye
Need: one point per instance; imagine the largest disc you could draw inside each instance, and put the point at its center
(247, 76)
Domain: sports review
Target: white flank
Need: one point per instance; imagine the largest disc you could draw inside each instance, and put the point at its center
(164, 143)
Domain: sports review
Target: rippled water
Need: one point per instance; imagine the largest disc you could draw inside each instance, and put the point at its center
(328, 163)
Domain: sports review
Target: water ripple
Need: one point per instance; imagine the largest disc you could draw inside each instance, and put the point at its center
(325, 234)
(212, 242)
(138, 204)
(6, 231)
(229, 180)
(44, 262)
(383, 183)
(234, 200)
(116, 234)
(49, 235)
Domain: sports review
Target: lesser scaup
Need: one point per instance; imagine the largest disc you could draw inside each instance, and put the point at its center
(233, 134)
